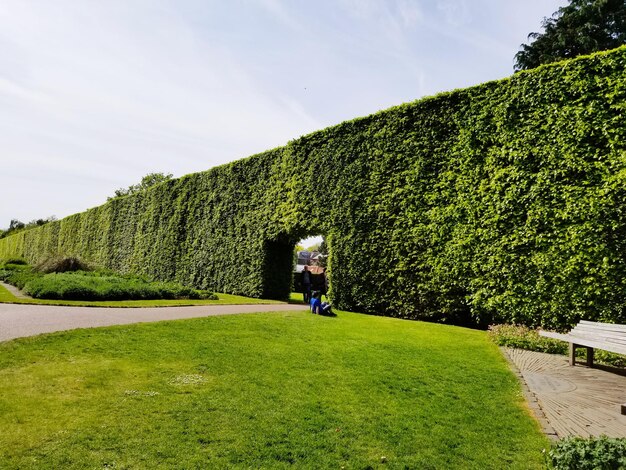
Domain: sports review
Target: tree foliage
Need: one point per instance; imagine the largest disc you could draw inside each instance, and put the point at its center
(504, 202)
(582, 27)
(146, 182)
(16, 225)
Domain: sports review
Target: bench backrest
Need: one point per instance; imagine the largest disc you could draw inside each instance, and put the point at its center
(606, 332)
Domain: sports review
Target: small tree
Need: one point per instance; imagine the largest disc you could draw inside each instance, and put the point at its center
(582, 27)
(147, 181)
(16, 225)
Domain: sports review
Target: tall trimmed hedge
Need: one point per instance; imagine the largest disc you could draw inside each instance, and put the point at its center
(501, 202)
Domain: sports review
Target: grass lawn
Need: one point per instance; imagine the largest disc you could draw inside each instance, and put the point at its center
(265, 390)
(223, 299)
(296, 298)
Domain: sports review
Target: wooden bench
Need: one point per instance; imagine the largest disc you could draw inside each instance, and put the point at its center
(590, 335)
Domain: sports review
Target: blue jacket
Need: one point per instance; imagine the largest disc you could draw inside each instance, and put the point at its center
(316, 305)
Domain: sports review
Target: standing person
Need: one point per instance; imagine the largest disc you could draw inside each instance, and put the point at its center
(306, 284)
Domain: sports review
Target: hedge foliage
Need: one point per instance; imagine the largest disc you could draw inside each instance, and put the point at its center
(503, 202)
(70, 284)
(595, 453)
(90, 286)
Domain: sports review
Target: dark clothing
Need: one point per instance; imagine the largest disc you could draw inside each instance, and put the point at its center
(306, 285)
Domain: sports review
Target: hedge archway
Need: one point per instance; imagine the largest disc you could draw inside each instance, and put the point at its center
(504, 201)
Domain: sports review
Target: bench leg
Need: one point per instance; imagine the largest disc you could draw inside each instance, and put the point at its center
(572, 354)
(590, 357)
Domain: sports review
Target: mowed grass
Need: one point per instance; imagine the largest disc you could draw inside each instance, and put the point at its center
(279, 390)
(223, 299)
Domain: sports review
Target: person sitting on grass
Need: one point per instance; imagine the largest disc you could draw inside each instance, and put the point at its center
(317, 306)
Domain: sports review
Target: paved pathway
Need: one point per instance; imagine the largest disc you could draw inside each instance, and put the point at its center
(15, 291)
(28, 320)
(576, 401)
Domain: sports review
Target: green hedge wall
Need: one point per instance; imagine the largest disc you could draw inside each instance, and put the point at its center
(501, 202)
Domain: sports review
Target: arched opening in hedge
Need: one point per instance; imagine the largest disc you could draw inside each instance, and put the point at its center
(311, 252)
(277, 267)
(500, 202)
(280, 267)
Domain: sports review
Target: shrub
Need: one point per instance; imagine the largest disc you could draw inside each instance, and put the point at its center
(18, 274)
(93, 286)
(15, 261)
(522, 337)
(605, 357)
(62, 265)
(600, 453)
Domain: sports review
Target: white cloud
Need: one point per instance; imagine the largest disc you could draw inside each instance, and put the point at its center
(410, 12)
(94, 95)
(10, 90)
(456, 12)
(278, 11)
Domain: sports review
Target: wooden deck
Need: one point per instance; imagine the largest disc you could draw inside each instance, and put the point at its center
(576, 401)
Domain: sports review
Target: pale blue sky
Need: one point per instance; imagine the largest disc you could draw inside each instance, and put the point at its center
(95, 94)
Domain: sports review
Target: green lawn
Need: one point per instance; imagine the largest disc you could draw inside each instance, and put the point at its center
(265, 390)
(223, 299)
(296, 298)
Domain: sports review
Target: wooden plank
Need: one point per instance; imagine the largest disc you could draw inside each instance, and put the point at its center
(602, 326)
(598, 331)
(616, 348)
(607, 327)
(616, 341)
(590, 322)
(592, 335)
(617, 334)
(600, 337)
(577, 401)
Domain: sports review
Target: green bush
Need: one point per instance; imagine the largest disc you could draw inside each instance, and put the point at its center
(601, 453)
(522, 337)
(500, 203)
(17, 274)
(605, 357)
(61, 264)
(93, 285)
(18, 261)
(87, 286)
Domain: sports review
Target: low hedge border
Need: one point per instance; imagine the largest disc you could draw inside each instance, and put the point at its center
(94, 285)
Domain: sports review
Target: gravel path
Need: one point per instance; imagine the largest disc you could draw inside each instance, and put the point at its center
(28, 320)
